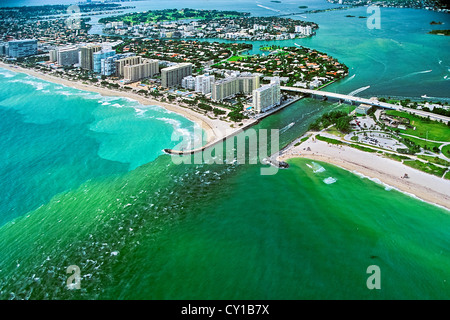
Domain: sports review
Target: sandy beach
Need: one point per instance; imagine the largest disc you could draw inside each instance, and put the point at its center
(215, 129)
(424, 186)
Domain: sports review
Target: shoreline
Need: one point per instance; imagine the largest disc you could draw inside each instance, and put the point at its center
(215, 129)
(424, 186)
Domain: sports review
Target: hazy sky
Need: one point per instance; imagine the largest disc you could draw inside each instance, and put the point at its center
(19, 3)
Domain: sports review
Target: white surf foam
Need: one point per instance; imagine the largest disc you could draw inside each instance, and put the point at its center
(388, 187)
(317, 168)
(36, 84)
(186, 135)
(329, 180)
(7, 74)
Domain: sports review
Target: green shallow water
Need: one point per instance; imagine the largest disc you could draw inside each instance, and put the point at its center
(226, 232)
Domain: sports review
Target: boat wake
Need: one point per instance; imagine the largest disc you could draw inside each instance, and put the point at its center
(268, 8)
(412, 74)
(351, 78)
(286, 128)
(358, 91)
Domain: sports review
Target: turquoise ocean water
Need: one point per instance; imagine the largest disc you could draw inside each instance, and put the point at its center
(84, 182)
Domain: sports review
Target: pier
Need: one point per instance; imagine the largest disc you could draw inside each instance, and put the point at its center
(256, 120)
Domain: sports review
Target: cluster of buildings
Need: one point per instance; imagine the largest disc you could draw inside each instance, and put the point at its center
(304, 30)
(434, 5)
(264, 97)
(19, 48)
(237, 29)
(314, 83)
(105, 61)
(101, 59)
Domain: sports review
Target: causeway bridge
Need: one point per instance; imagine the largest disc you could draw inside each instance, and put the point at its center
(372, 102)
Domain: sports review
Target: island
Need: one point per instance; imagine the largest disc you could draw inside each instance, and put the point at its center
(203, 24)
(154, 16)
(440, 32)
(434, 5)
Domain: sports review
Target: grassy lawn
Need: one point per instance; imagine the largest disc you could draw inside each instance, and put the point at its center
(423, 143)
(425, 167)
(436, 160)
(237, 58)
(335, 132)
(302, 140)
(328, 140)
(446, 151)
(436, 130)
(447, 175)
(362, 148)
(396, 157)
(268, 48)
(344, 107)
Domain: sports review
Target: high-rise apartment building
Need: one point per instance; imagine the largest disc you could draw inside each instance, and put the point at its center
(3, 49)
(146, 69)
(22, 48)
(172, 76)
(53, 55)
(87, 56)
(267, 96)
(188, 83)
(231, 86)
(67, 56)
(204, 83)
(305, 30)
(99, 56)
(129, 61)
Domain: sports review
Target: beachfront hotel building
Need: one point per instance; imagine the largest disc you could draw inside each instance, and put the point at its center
(3, 49)
(188, 83)
(128, 61)
(66, 56)
(173, 76)
(146, 69)
(204, 83)
(87, 56)
(22, 48)
(233, 85)
(53, 55)
(108, 65)
(99, 56)
(267, 96)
